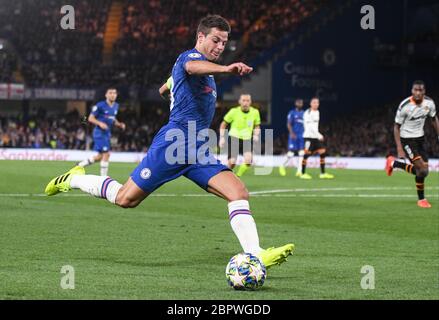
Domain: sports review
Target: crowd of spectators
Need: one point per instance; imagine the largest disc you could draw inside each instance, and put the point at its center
(152, 33)
(364, 135)
(69, 131)
(278, 21)
(8, 64)
(50, 55)
(355, 135)
(152, 37)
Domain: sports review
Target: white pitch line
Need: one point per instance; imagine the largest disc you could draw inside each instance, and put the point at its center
(266, 193)
(332, 189)
(73, 195)
(342, 196)
(393, 196)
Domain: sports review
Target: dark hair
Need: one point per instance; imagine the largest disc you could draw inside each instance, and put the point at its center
(314, 98)
(110, 88)
(419, 82)
(212, 21)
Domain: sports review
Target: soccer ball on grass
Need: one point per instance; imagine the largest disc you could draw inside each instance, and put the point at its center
(245, 272)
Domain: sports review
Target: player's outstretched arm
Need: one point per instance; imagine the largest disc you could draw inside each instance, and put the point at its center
(210, 68)
(92, 119)
(291, 131)
(163, 91)
(119, 124)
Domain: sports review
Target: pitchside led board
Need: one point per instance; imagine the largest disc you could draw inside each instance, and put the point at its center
(348, 67)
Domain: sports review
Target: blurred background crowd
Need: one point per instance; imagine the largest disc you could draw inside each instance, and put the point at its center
(150, 35)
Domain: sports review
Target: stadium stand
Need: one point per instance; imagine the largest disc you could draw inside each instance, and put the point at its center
(143, 56)
(375, 131)
(51, 57)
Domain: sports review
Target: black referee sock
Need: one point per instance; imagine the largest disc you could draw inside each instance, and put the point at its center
(406, 167)
(420, 187)
(322, 164)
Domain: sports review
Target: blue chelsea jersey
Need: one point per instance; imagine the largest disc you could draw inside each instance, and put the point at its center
(104, 113)
(193, 97)
(295, 119)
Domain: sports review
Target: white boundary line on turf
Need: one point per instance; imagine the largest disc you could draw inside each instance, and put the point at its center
(331, 189)
(262, 193)
(388, 196)
(342, 195)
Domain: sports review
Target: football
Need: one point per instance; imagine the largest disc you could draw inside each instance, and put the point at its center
(245, 272)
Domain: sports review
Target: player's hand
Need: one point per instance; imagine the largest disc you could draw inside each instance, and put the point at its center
(103, 126)
(222, 142)
(293, 136)
(255, 138)
(122, 125)
(239, 68)
(166, 97)
(321, 138)
(401, 154)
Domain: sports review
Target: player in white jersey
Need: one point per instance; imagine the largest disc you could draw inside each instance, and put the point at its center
(313, 139)
(409, 137)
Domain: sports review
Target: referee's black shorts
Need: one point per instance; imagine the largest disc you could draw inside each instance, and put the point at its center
(238, 146)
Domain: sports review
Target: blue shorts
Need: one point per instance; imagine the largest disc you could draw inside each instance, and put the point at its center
(156, 168)
(296, 144)
(101, 144)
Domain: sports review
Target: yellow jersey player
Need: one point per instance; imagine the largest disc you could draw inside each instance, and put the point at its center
(244, 121)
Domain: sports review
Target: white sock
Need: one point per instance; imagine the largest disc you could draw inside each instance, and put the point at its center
(244, 226)
(289, 156)
(98, 186)
(87, 162)
(299, 164)
(104, 168)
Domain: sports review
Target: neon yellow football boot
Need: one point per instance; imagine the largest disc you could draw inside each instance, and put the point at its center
(326, 176)
(62, 182)
(282, 171)
(305, 176)
(242, 169)
(276, 256)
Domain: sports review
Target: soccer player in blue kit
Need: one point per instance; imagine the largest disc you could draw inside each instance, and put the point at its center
(193, 99)
(296, 142)
(103, 116)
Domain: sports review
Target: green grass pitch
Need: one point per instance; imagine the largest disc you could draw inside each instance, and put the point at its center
(176, 244)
